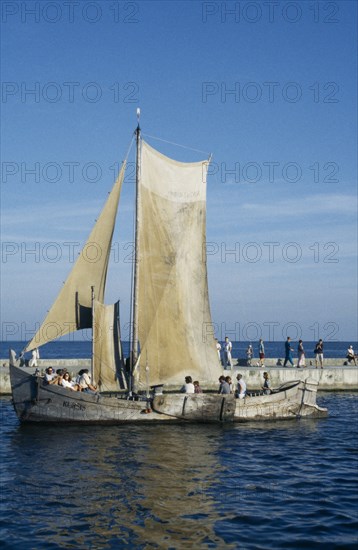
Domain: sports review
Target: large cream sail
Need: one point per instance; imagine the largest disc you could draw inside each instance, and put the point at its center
(108, 366)
(71, 310)
(175, 329)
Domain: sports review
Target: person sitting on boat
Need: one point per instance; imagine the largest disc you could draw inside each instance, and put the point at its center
(224, 386)
(85, 383)
(241, 387)
(50, 376)
(197, 388)
(350, 355)
(266, 384)
(66, 382)
(188, 386)
(231, 385)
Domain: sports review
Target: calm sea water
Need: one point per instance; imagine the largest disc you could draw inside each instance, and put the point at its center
(270, 485)
(82, 349)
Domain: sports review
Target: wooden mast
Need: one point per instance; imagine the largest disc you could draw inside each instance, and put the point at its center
(134, 350)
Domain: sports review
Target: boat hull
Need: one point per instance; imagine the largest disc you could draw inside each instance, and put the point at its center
(294, 399)
(35, 401)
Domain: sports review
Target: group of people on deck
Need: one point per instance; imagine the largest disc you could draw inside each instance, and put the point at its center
(62, 378)
(226, 386)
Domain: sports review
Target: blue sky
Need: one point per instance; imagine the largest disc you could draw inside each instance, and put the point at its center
(269, 90)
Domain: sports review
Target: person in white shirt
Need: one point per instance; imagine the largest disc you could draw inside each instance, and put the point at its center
(227, 352)
(218, 349)
(188, 386)
(241, 387)
(350, 355)
(85, 382)
(50, 376)
(249, 354)
(66, 382)
(34, 358)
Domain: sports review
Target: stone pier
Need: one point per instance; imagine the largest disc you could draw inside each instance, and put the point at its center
(334, 376)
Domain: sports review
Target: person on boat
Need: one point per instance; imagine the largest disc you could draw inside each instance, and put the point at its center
(85, 383)
(231, 385)
(249, 354)
(197, 388)
(241, 387)
(188, 386)
(66, 382)
(227, 352)
(350, 355)
(50, 376)
(218, 349)
(319, 353)
(301, 355)
(266, 384)
(288, 352)
(224, 386)
(261, 352)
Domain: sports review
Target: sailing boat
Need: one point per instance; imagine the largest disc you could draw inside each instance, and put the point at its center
(170, 307)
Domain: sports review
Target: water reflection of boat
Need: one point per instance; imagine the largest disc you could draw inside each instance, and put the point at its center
(170, 309)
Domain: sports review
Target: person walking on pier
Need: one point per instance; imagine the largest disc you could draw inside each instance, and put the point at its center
(301, 355)
(288, 352)
(227, 353)
(350, 355)
(34, 358)
(261, 352)
(319, 353)
(249, 354)
(218, 349)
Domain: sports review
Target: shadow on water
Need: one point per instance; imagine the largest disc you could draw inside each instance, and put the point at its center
(140, 485)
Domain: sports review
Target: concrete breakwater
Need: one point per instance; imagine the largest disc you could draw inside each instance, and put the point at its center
(334, 376)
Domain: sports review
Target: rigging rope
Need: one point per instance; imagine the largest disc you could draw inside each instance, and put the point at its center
(177, 144)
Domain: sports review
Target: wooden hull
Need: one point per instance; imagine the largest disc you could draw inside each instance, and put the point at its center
(292, 400)
(36, 402)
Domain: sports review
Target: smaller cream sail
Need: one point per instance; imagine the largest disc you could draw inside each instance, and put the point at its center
(174, 320)
(72, 309)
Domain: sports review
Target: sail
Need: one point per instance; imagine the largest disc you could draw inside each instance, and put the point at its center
(108, 368)
(175, 329)
(72, 309)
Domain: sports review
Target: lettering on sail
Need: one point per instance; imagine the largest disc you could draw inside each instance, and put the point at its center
(186, 195)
